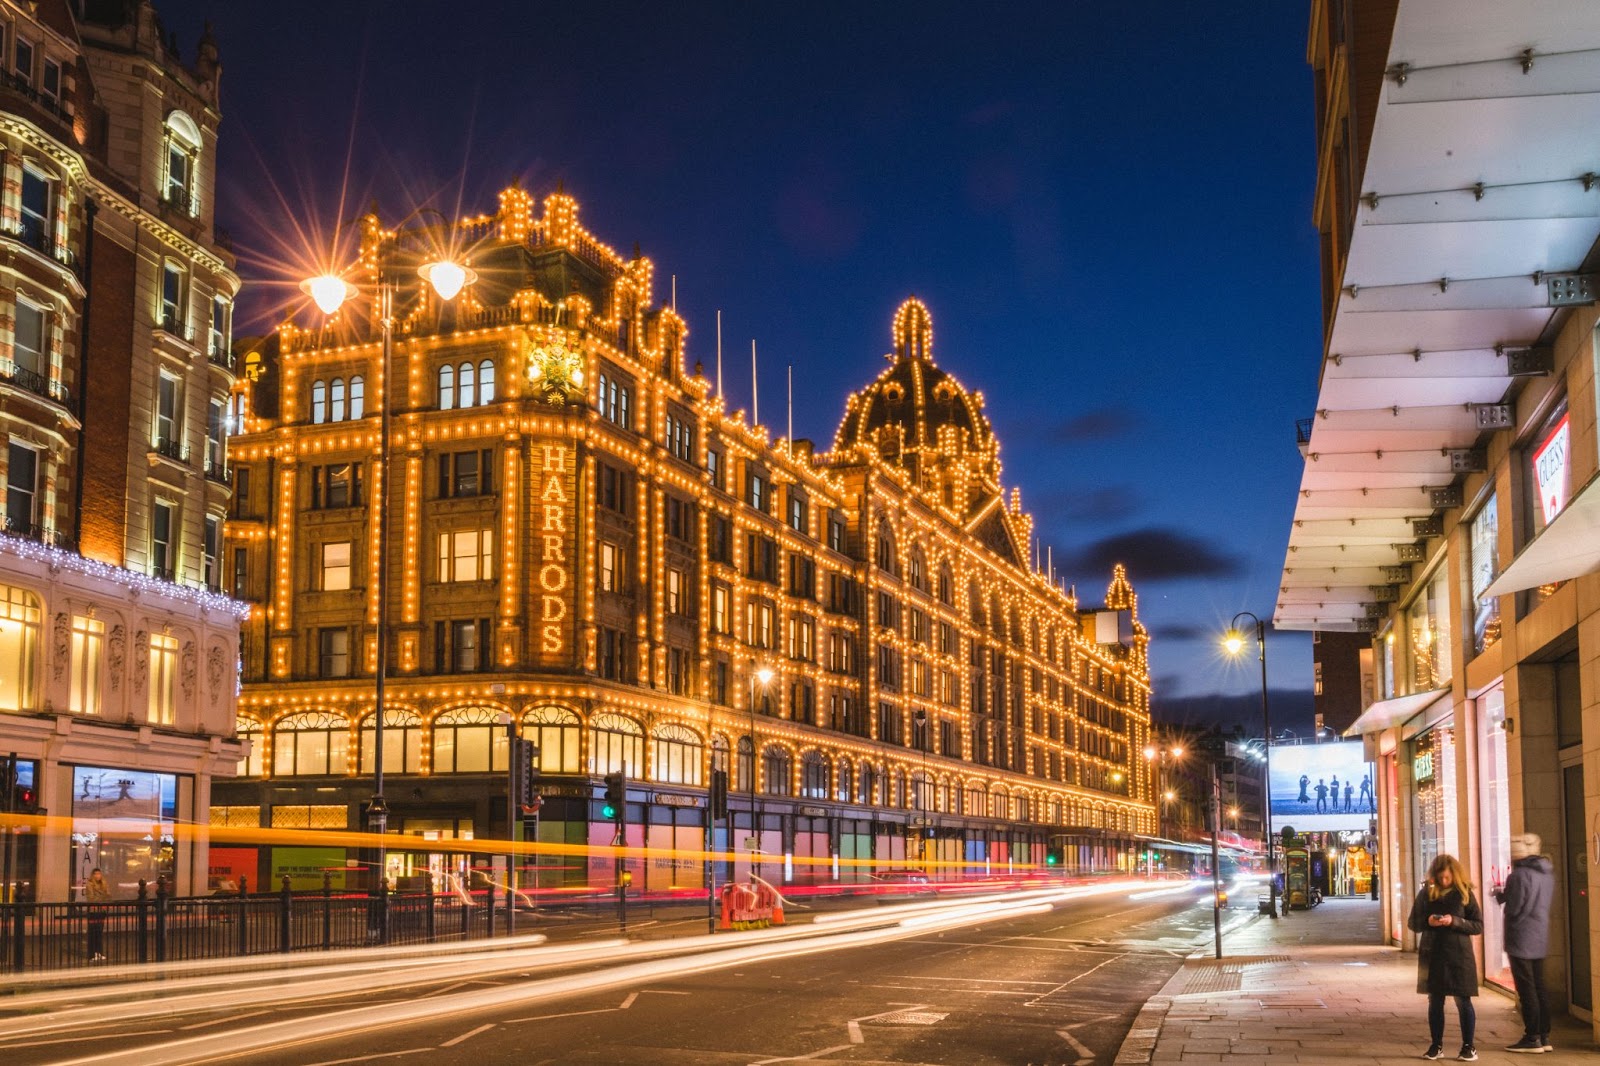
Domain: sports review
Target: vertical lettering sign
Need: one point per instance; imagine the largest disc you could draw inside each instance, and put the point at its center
(554, 554)
(1551, 470)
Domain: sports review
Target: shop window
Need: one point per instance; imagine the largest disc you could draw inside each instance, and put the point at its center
(675, 755)
(314, 742)
(1429, 633)
(470, 740)
(20, 619)
(744, 775)
(843, 791)
(556, 731)
(616, 745)
(776, 772)
(87, 655)
(1494, 790)
(163, 679)
(1484, 558)
(402, 742)
(248, 731)
(814, 776)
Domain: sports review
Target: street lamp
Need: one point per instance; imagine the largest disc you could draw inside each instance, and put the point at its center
(1157, 756)
(330, 292)
(761, 675)
(1234, 641)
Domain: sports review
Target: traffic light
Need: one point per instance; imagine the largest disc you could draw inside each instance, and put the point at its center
(616, 798)
(1052, 855)
(719, 795)
(25, 799)
(525, 763)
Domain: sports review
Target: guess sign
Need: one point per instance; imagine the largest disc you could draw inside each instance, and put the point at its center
(1552, 471)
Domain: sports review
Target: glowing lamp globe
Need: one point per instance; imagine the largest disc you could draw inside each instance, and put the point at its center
(764, 675)
(1233, 642)
(1177, 753)
(328, 292)
(447, 278)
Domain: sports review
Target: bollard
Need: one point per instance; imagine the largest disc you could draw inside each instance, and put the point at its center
(161, 918)
(327, 910)
(285, 901)
(143, 953)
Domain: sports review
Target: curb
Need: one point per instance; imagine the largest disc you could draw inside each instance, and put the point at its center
(1139, 1046)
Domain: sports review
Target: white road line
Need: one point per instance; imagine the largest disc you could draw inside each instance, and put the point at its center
(88, 1036)
(1085, 1056)
(464, 1037)
(1074, 980)
(564, 1014)
(854, 1024)
(804, 1058)
(628, 1002)
(968, 991)
(375, 1055)
(971, 980)
(228, 1018)
(446, 989)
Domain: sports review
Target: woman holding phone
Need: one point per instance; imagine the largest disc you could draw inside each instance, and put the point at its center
(1446, 915)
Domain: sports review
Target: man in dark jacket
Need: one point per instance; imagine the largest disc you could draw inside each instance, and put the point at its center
(1526, 898)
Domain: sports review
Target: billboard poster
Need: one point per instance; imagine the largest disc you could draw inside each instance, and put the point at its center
(1552, 469)
(1320, 788)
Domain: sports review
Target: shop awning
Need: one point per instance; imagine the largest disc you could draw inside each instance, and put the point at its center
(1568, 548)
(1386, 714)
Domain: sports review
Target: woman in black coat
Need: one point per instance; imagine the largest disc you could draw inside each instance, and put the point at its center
(1446, 914)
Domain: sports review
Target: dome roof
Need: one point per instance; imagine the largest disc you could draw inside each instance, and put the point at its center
(916, 413)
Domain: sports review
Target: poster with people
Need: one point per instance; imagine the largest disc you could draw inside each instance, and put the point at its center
(1320, 788)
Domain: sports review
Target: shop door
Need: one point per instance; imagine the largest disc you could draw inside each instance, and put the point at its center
(1577, 886)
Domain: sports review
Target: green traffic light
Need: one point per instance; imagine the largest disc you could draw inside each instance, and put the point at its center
(608, 811)
(1050, 860)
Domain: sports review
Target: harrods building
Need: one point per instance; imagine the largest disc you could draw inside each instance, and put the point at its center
(586, 542)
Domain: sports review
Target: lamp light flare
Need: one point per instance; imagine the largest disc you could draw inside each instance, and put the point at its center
(764, 675)
(328, 292)
(447, 277)
(1233, 642)
(1177, 753)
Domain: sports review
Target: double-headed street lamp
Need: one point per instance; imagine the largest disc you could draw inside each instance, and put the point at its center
(1158, 756)
(763, 676)
(330, 292)
(1234, 642)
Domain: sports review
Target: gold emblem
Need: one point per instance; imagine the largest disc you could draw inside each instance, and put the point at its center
(555, 371)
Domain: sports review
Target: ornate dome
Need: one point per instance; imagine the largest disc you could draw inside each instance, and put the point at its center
(918, 417)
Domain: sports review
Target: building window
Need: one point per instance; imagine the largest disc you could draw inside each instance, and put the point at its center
(36, 222)
(802, 637)
(612, 401)
(1316, 679)
(1484, 554)
(333, 653)
(163, 553)
(814, 776)
(680, 520)
(314, 743)
(465, 385)
(169, 416)
(680, 438)
(248, 732)
(719, 683)
(485, 382)
(241, 574)
(24, 60)
(721, 615)
(218, 340)
(610, 564)
(556, 731)
(335, 569)
(20, 618)
(466, 474)
(802, 576)
(613, 489)
(676, 601)
(216, 437)
(470, 740)
(679, 664)
(336, 400)
(756, 491)
(719, 545)
(180, 189)
(836, 533)
(889, 723)
(798, 512)
(447, 387)
(28, 355)
(163, 679)
(715, 469)
(172, 298)
(402, 742)
(459, 645)
(335, 486)
(466, 555)
(776, 772)
(616, 745)
(22, 489)
(612, 654)
(211, 547)
(888, 667)
(319, 402)
(758, 623)
(761, 558)
(676, 755)
(88, 646)
(358, 396)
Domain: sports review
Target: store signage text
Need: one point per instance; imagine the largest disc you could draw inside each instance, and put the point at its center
(554, 575)
(1422, 767)
(1550, 468)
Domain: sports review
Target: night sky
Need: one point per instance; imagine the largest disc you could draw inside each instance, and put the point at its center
(1106, 208)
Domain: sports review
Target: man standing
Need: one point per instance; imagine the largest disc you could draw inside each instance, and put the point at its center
(1526, 898)
(1322, 795)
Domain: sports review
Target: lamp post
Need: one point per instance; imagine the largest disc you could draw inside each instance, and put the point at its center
(924, 819)
(1234, 642)
(1157, 756)
(761, 675)
(330, 292)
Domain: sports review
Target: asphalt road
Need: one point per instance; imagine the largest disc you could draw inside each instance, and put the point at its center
(1060, 987)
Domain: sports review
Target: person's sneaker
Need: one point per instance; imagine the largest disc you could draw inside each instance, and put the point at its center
(1545, 1041)
(1468, 1054)
(1528, 1045)
(1434, 1052)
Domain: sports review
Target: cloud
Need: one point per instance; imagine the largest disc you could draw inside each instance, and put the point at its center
(1291, 709)
(1153, 554)
(1105, 423)
(1096, 506)
(1185, 631)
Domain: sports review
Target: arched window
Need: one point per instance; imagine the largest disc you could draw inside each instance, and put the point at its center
(1055, 811)
(919, 570)
(884, 555)
(1001, 801)
(464, 384)
(719, 753)
(1034, 643)
(402, 742)
(745, 777)
(319, 402)
(556, 731)
(775, 771)
(248, 730)
(956, 804)
(485, 382)
(470, 740)
(946, 585)
(977, 800)
(922, 792)
(182, 151)
(844, 793)
(358, 396)
(675, 755)
(336, 400)
(616, 745)
(313, 742)
(814, 776)
(447, 387)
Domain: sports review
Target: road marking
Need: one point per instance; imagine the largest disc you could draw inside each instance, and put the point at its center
(1073, 980)
(464, 1037)
(969, 991)
(971, 980)
(566, 1014)
(804, 1058)
(1085, 1056)
(226, 1018)
(853, 1026)
(628, 1002)
(86, 1036)
(375, 1055)
(447, 988)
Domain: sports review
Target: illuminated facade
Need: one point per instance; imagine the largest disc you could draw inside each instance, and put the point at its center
(118, 674)
(588, 543)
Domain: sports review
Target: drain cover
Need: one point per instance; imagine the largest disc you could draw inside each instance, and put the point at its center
(912, 1017)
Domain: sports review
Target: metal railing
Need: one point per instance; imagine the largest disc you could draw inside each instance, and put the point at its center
(171, 448)
(160, 927)
(35, 382)
(218, 471)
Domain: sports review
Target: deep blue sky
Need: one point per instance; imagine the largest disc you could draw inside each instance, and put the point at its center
(1106, 208)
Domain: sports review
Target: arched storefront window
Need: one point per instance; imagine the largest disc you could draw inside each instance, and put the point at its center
(977, 801)
(745, 777)
(814, 776)
(557, 733)
(869, 785)
(922, 792)
(845, 792)
(402, 742)
(470, 740)
(313, 742)
(20, 619)
(248, 730)
(1001, 802)
(616, 745)
(676, 754)
(897, 797)
(775, 771)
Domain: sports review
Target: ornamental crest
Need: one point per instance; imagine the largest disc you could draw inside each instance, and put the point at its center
(555, 371)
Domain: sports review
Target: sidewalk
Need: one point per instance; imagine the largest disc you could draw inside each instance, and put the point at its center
(1315, 988)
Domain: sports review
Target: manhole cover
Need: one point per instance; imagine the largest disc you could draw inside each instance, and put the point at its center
(912, 1017)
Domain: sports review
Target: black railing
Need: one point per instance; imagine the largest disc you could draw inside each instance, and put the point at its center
(36, 383)
(163, 572)
(51, 104)
(219, 472)
(175, 325)
(37, 533)
(171, 448)
(158, 927)
(219, 355)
